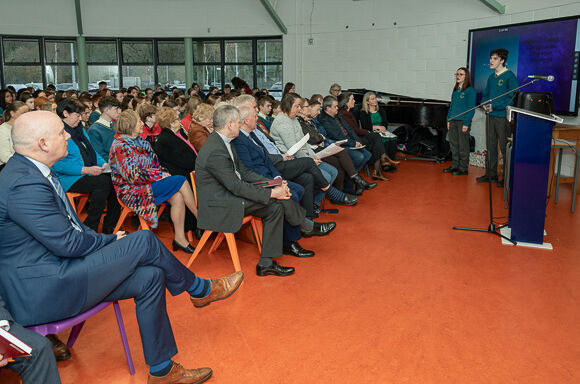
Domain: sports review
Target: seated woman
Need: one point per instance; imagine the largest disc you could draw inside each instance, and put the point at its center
(286, 132)
(142, 184)
(341, 160)
(11, 112)
(147, 114)
(374, 119)
(201, 125)
(372, 140)
(175, 152)
(190, 107)
(82, 170)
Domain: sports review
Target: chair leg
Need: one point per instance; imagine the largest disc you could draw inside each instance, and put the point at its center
(143, 224)
(257, 227)
(124, 337)
(216, 243)
(122, 218)
(206, 234)
(233, 251)
(74, 333)
(82, 203)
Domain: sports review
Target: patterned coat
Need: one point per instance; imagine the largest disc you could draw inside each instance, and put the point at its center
(134, 167)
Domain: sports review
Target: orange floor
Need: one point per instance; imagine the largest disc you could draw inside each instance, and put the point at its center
(394, 295)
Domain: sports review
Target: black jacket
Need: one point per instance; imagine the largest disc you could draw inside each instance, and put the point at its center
(174, 154)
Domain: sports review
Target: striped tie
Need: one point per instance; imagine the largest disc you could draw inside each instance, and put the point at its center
(72, 216)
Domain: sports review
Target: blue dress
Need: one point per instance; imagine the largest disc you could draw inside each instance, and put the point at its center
(165, 188)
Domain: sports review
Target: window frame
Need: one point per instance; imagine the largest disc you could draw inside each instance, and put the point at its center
(41, 40)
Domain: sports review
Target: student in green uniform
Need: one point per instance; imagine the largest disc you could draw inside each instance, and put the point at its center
(462, 99)
(498, 128)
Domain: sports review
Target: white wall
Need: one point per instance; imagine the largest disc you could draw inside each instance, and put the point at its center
(416, 57)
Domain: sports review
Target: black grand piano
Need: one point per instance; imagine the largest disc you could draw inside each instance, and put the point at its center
(414, 113)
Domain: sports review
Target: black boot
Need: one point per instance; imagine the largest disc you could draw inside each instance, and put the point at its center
(361, 184)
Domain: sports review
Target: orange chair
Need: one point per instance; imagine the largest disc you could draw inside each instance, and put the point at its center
(125, 211)
(256, 223)
(83, 198)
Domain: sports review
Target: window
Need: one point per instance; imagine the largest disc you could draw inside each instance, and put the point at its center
(269, 67)
(22, 66)
(257, 61)
(39, 61)
(238, 51)
(171, 64)
(61, 68)
(103, 63)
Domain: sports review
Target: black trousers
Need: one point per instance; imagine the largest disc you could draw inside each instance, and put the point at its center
(305, 172)
(102, 194)
(41, 366)
(273, 216)
(374, 144)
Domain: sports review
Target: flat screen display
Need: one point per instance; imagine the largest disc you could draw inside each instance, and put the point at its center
(542, 48)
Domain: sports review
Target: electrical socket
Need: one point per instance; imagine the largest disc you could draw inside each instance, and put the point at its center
(311, 41)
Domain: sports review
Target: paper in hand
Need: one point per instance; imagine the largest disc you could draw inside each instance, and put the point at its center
(296, 147)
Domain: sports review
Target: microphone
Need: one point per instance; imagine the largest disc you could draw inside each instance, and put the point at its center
(549, 78)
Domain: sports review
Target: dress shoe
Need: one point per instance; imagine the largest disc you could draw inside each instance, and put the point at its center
(59, 349)
(450, 170)
(378, 176)
(391, 161)
(274, 269)
(188, 249)
(459, 172)
(486, 179)
(179, 375)
(320, 229)
(220, 289)
(349, 200)
(295, 249)
(500, 183)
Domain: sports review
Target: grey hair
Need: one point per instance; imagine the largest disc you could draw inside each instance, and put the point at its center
(334, 85)
(223, 115)
(245, 111)
(327, 102)
(243, 99)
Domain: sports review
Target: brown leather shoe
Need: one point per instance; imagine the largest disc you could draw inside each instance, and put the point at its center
(60, 350)
(220, 289)
(180, 375)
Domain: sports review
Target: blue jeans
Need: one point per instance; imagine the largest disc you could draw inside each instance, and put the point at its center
(359, 157)
(329, 173)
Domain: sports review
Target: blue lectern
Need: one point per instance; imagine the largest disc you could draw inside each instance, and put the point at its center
(530, 166)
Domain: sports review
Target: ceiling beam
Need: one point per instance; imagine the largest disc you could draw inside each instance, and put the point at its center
(274, 15)
(495, 5)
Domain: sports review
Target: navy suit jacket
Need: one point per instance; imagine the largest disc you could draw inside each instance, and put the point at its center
(254, 158)
(42, 274)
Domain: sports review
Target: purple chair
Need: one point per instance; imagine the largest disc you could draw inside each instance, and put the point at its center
(77, 322)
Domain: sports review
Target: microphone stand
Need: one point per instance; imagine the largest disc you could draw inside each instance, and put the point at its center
(492, 228)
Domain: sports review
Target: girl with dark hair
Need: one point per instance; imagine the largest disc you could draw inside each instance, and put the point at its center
(28, 99)
(289, 88)
(6, 98)
(462, 99)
